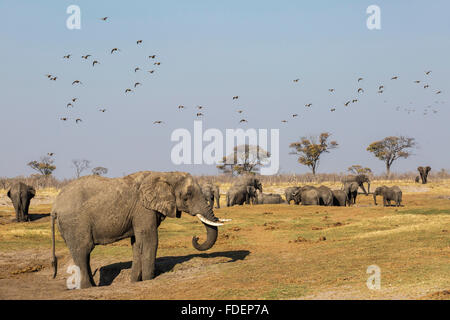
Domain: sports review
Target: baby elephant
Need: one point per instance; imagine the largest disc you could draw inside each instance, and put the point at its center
(389, 194)
(268, 198)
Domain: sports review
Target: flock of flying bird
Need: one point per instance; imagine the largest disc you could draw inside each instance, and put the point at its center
(200, 108)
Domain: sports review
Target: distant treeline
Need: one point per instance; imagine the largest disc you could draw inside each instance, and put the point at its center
(42, 182)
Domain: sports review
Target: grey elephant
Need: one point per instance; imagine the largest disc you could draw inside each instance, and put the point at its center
(325, 196)
(307, 196)
(96, 210)
(340, 198)
(360, 179)
(351, 190)
(211, 192)
(21, 195)
(289, 194)
(424, 171)
(239, 193)
(389, 194)
(268, 198)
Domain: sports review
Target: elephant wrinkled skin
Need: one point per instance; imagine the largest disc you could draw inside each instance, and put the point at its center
(96, 210)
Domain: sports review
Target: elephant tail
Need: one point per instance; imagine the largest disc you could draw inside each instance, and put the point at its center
(55, 260)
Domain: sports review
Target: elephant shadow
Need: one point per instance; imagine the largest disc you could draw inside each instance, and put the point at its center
(37, 216)
(165, 264)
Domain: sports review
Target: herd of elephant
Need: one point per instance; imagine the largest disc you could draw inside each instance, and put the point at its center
(95, 210)
(249, 190)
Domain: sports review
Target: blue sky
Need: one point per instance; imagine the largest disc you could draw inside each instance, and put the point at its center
(210, 51)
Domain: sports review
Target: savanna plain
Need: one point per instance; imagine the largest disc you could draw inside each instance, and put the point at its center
(266, 252)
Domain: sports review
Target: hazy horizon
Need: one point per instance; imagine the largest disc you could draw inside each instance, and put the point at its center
(210, 52)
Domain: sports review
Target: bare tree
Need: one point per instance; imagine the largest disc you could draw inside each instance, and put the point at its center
(80, 166)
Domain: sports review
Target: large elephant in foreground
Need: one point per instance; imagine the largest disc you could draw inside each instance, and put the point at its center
(289, 194)
(360, 179)
(424, 171)
(97, 210)
(351, 190)
(21, 195)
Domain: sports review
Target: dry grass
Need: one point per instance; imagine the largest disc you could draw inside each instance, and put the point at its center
(266, 252)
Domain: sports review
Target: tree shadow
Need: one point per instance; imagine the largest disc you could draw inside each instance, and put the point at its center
(166, 264)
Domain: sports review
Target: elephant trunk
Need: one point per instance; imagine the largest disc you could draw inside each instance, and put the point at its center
(211, 237)
(211, 223)
(375, 199)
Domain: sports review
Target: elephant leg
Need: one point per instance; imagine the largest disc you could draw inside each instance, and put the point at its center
(136, 266)
(146, 244)
(81, 258)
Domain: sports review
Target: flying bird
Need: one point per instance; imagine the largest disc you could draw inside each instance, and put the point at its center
(76, 82)
(360, 90)
(152, 57)
(438, 92)
(294, 115)
(54, 78)
(380, 91)
(157, 63)
(136, 69)
(74, 99)
(158, 122)
(139, 42)
(86, 56)
(331, 90)
(48, 75)
(50, 154)
(137, 84)
(417, 81)
(181, 107)
(394, 78)
(380, 87)
(128, 90)
(333, 109)
(240, 111)
(284, 121)
(151, 71)
(360, 79)
(102, 110)
(296, 80)
(78, 120)
(69, 105)
(235, 97)
(94, 62)
(347, 103)
(243, 120)
(199, 114)
(354, 100)
(199, 107)
(114, 50)
(63, 119)
(67, 57)
(104, 18)
(428, 72)
(308, 105)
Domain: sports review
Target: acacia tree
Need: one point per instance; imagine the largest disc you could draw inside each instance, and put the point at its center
(311, 149)
(44, 166)
(357, 169)
(392, 148)
(244, 159)
(99, 171)
(80, 166)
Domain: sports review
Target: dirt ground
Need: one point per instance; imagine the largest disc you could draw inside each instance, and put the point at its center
(265, 252)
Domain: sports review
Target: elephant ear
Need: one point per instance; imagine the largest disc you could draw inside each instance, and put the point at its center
(428, 169)
(157, 194)
(31, 192)
(9, 193)
(420, 169)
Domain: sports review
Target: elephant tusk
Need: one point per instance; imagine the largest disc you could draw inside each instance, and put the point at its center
(208, 222)
(224, 220)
